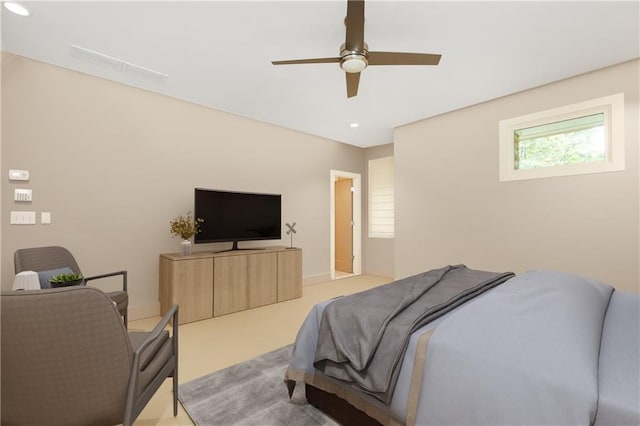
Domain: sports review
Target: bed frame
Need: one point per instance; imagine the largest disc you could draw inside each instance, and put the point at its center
(337, 408)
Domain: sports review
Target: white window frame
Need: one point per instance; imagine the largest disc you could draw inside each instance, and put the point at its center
(386, 166)
(613, 109)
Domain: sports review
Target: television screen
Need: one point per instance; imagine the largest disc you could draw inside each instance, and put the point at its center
(237, 216)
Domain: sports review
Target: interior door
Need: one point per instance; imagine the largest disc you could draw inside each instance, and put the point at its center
(344, 225)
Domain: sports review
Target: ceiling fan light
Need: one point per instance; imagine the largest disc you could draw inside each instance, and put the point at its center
(354, 63)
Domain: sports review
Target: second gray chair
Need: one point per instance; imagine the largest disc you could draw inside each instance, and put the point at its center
(41, 259)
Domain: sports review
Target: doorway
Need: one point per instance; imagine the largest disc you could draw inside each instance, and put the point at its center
(345, 224)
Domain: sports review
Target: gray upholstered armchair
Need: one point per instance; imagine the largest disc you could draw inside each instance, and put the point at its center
(67, 359)
(41, 259)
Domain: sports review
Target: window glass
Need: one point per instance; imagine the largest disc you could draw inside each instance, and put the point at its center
(578, 140)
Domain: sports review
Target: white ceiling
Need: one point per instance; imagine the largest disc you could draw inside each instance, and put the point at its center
(218, 53)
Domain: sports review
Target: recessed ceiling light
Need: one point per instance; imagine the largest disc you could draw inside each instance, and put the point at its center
(16, 8)
(353, 125)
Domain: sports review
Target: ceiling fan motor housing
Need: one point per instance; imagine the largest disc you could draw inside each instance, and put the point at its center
(353, 61)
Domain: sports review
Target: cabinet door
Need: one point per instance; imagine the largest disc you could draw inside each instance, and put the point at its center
(263, 279)
(230, 278)
(289, 274)
(187, 283)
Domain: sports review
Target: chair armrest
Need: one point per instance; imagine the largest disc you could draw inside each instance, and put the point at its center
(132, 388)
(172, 313)
(111, 274)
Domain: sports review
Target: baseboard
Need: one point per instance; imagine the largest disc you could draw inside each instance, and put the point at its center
(144, 311)
(316, 279)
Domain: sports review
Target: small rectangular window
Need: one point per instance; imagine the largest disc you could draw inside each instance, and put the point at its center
(575, 139)
(381, 198)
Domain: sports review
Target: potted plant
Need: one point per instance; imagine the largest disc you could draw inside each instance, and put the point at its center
(64, 280)
(185, 227)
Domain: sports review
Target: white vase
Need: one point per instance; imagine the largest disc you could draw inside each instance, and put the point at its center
(185, 247)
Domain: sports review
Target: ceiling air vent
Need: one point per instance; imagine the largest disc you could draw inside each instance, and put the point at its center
(145, 73)
(96, 57)
(110, 62)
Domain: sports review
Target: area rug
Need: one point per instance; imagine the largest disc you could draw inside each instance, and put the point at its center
(251, 393)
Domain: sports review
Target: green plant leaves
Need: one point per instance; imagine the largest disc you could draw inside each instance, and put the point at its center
(65, 278)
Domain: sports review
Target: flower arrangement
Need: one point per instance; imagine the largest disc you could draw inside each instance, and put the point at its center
(185, 227)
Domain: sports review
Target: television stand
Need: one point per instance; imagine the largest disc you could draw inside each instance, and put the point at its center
(208, 284)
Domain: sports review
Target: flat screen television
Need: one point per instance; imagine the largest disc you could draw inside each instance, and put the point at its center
(237, 216)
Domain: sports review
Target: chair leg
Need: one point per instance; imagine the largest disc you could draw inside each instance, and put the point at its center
(124, 317)
(175, 391)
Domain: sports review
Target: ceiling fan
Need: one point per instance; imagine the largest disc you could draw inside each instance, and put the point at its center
(355, 55)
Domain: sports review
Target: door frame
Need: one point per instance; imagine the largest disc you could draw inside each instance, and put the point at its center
(357, 220)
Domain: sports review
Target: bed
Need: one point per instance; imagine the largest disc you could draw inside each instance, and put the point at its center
(538, 348)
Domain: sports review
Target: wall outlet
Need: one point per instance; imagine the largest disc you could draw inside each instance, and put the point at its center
(45, 218)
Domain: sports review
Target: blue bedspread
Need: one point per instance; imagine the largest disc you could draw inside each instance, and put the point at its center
(619, 372)
(543, 348)
(363, 337)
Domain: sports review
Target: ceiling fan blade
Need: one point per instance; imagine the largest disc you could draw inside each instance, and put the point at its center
(355, 26)
(400, 58)
(353, 80)
(307, 61)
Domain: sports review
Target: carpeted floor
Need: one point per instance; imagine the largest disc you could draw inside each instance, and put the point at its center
(251, 393)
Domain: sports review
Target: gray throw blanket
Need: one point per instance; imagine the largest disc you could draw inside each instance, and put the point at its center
(363, 337)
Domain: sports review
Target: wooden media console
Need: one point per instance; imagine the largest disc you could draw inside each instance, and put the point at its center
(208, 284)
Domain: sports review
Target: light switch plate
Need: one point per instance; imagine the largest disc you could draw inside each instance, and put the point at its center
(23, 195)
(23, 218)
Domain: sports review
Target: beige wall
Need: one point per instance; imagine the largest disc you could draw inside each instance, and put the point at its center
(451, 208)
(114, 164)
(378, 252)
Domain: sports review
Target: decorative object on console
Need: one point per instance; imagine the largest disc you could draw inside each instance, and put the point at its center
(291, 231)
(185, 228)
(185, 247)
(64, 280)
